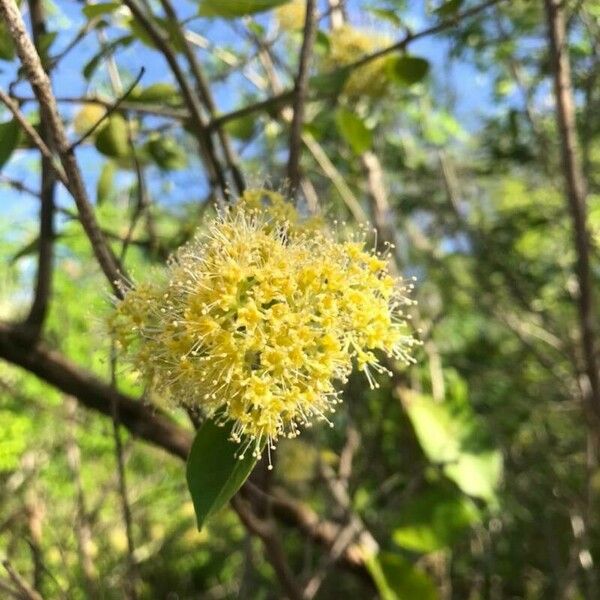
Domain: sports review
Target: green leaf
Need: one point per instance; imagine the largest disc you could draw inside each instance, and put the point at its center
(353, 130)
(242, 128)
(164, 93)
(113, 139)
(230, 9)
(90, 67)
(7, 50)
(214, 474)
(387, 14)
(449, 439)
(105, 183)
(448, 8)
(434, 520)
(10, 135)
(330, 84)
(477, 475)
(396, 579)
(438, 433)
(407, 70)
(102, 8)
(166, 153)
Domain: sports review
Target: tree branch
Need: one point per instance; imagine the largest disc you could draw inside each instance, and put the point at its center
(42, 88)
(43, 284)
(151, 425)
(575, 192)
(300, 95)
(207, 151)
(205, 93)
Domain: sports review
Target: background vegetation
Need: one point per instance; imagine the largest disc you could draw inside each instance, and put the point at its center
(468, 133)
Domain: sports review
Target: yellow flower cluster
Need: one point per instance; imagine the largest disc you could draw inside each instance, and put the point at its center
(347, 45)
(291, 15)
(255, 323)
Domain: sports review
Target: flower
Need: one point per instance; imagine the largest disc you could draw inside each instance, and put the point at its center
(348, 44)
(256, 322)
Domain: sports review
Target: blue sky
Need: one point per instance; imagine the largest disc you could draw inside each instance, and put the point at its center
(472, 91)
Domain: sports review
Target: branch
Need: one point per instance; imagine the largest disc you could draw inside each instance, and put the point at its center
(215, 174)
(41, 86)
(300, 94)
(575, 193)
(110, 110)
(265, 531)
(205, 93)
(153, 426)
(43, 283)
(141, 419)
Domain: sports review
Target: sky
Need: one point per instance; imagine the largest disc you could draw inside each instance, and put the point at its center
(472, 92)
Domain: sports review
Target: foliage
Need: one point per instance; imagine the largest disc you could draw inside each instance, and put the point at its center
(473, 474)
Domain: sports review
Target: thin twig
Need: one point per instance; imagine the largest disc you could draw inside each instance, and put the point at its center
(214, 171)
(25, 590)
(43, 282)
(265, 531)
(41, 86)
(111, 109)
(300, 94)
(206, 95)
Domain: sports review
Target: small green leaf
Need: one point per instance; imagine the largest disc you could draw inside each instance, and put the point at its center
(10, 135)
(330, 84)
(105, 183)
(477, 475)
(396, 579)
(112, 139)
(388, 14)
(408, 70)
(90, 67)
(242, 128)
(163, 93)
(353, 130)
(434, 520)
(102, 8)
(214, 474)
(448, 8)
(166, 153)
(438, 433)
(230, 9)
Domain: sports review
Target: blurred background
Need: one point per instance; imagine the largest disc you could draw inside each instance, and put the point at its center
(468, 134)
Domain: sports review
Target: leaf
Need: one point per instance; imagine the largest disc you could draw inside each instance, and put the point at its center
(388, 14)
(448, 8)
(230, 9)
(396, 579)
(90, 67)
(105, 184)
(7, 50)
(101, 8)
(330, 84)
(451, 440)
(166, 153)
(434, 520)
(112, 139)
(242, 128)
(477, 475)
(438, 434)
(353, 130)
(214, 474)
(10, 135)
(407, 69)
(156, 93)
